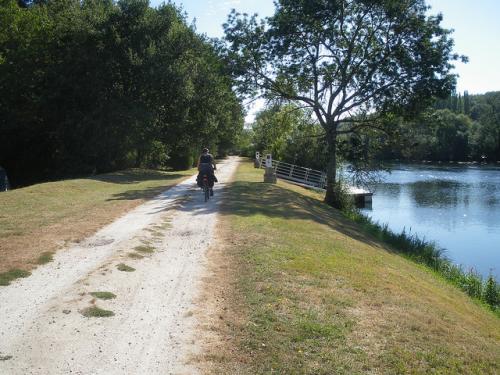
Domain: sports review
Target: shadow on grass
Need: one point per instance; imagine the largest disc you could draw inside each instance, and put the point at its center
(134, 176)
(147, 193)
(257, 198)
(137, 176)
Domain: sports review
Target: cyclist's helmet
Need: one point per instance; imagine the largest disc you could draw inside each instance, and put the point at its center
(205, 150)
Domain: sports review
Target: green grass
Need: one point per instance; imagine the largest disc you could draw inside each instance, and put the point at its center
(97, 312)
(310, 292)
(103, 295)
(135, 255)
(145, 249)
(45, 258)
(7, 277)
(123, 267)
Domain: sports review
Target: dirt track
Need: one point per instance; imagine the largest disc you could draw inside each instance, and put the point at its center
(42, 330)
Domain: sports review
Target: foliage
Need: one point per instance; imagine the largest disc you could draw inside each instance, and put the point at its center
(92, 86)
(182, 159)
(447, 132)
(492, 292)
(343, 60)
(244, 143)
(290, 134)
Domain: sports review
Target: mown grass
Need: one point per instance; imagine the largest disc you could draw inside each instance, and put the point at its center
(103, 295)
(39, 218)
(97, 312)
(307, 291)
(7, 277)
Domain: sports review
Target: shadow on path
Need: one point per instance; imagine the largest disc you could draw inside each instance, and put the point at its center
(257, 198)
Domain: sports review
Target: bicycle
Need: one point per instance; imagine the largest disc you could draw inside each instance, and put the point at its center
(206, 187)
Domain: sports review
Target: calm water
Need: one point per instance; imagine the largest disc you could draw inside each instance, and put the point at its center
(458, 207)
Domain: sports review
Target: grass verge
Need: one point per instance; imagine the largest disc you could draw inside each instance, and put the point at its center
(39, 218)
(297, 288)
(96, 312)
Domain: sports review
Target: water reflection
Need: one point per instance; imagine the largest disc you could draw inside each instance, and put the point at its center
(457, 206)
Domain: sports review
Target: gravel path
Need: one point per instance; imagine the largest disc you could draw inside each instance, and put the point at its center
(43, 330)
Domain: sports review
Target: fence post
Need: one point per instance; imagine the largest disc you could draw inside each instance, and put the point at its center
(269, 175)
(256, 163)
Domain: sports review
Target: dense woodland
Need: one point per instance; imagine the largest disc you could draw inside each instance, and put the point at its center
(96, 85)
(458, 128)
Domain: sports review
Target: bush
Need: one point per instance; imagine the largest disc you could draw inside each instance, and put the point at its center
(181, 160)
(492, 292)
(156, 156)
(342, 199)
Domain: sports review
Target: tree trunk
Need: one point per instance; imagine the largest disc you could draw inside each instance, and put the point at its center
(331, 197)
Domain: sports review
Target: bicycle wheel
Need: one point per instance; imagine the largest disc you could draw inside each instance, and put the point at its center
(206, 190)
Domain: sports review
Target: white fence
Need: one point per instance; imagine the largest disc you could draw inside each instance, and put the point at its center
(304, 176)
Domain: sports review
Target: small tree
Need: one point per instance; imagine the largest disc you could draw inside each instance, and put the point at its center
(344, 59)
(492, 292)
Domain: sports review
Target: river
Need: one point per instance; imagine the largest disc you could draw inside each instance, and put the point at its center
(456, 206)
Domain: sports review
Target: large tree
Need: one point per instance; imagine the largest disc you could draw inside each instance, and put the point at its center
(347, 60)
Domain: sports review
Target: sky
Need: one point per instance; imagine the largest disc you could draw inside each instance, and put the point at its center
(476, 26)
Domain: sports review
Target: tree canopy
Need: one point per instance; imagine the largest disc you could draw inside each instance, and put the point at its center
(346, 60)
(96, 85)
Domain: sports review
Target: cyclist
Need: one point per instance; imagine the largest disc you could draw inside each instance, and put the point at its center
(206, 165)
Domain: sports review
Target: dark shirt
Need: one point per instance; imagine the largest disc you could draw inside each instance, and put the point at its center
(206, 163)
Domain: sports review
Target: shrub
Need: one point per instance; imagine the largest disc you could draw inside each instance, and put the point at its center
(492, 292)
(181, 160)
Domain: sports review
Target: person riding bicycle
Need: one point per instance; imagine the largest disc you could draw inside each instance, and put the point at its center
(206, 165)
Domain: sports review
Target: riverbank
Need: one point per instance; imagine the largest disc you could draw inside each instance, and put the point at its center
(455, 206)
(297, 288)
